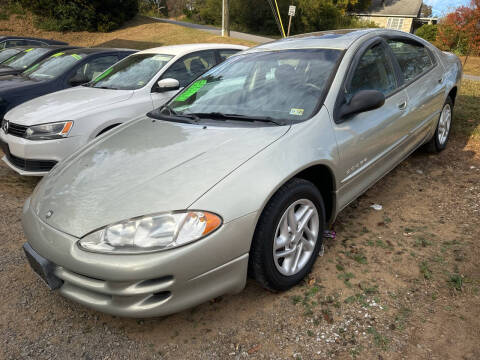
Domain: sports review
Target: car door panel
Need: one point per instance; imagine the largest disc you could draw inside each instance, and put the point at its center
(368, 141)
(367, 144)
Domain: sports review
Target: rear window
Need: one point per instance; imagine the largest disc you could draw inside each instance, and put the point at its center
(414, 58)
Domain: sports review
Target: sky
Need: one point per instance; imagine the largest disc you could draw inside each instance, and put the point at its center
(442, 7)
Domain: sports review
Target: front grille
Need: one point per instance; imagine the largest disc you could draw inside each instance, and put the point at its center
(27, 164)
(17, 130)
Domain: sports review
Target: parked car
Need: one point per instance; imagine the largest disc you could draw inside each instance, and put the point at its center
(30, 56)
(14, 41)
(130, 88)
(239, 173)
(6, 54)
(60, 71)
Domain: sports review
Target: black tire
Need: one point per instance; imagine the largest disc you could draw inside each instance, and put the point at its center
(261, 261)
(434, 145)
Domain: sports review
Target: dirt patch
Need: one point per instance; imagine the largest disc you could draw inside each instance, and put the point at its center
(140, 33)
(402, 282)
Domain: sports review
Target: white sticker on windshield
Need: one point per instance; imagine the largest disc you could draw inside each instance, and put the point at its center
(296, 112)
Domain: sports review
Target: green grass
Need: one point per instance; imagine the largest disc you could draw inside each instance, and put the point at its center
(466, 121)
(425, 270)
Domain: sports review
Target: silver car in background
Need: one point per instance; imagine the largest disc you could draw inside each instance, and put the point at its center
(240, 173)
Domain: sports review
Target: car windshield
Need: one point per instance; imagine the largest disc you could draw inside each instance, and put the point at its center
(53, 66)
(25, 58)
(133, 72)
(6, 54)
(282, 86)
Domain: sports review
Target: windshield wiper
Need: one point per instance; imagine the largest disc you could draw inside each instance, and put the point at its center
(222, 116)
(173, 113)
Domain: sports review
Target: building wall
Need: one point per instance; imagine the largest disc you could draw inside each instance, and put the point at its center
(397, 23)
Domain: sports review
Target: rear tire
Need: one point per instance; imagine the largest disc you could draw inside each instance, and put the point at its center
(288, 236)
(439, 140)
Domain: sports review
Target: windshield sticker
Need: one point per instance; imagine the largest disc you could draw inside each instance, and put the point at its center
(29, 50)
(75, 56)
(192, 90)
(101, 76)
(57, 54)
(296, 112)
(32, 68)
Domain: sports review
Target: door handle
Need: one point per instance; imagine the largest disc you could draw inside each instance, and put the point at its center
(403, 105)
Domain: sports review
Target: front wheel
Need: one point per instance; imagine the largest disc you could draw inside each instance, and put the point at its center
(288, 236)
(442, 132)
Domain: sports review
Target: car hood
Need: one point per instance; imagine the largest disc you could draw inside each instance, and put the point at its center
(144, 167)
(66, 104)
(16, 83)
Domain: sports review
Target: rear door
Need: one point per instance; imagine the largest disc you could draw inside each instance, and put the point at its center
(185, 70)
(423, 81)
(368, 141)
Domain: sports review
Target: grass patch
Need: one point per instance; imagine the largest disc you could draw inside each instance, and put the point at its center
(455, 281)
(472, 67)
(380, 340)
(425, 270)
(467, 107)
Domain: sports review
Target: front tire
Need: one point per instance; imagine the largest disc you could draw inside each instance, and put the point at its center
(288, 236)
(439, 140)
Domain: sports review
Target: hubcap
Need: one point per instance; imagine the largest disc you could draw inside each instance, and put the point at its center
(444, 124)
(296, 236)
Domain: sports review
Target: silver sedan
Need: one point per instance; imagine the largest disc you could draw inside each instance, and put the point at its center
(240, 173)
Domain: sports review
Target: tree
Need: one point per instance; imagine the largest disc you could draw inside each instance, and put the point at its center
(459, 31)
(426, 11)
(427, 32)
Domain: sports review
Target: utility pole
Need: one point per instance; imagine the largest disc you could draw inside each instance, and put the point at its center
(225, 19)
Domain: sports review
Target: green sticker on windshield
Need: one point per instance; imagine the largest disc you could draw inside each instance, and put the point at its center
(57, 54)
(101, 76)
(32, 68)
(75, 56)
(192, 90)
(29, 50)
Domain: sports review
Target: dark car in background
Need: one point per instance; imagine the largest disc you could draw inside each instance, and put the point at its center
(30, 56)
(61, 70)
(13, 41)
(6, 54)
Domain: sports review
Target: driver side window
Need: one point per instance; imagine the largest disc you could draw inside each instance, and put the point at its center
(374, 72)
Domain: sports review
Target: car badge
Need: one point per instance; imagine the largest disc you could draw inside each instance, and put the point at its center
(5, 126)
(49, 214)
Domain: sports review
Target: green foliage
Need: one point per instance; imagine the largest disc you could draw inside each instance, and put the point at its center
(256, 15)
(428, 32)
(79, 15)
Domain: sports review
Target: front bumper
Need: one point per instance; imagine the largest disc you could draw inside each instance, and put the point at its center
(36, 158)
(146, 285)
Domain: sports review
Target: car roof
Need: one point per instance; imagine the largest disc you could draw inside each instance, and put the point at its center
(93, 50)
(188, 48)
(334, 39)
(13, 37)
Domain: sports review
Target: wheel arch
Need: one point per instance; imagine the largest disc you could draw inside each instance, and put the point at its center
(453, 94)
(322, 176)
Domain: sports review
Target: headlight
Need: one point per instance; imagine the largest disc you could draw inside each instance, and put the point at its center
(50, 131)
(152, 233)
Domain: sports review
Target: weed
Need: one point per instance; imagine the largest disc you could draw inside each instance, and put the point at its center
(425, 270)
(340, 267)
(421, 241)
(380, 340)
(360, 258)
(456, 281)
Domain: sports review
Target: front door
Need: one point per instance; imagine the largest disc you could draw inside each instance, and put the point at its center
(367, 141)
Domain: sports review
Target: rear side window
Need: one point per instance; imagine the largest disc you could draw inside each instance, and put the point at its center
(374, 72)
(413, 58)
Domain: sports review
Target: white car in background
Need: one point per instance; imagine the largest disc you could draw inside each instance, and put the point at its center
(55, 125)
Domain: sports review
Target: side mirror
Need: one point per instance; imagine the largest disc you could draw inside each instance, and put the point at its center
(167, 85)
(364, 100)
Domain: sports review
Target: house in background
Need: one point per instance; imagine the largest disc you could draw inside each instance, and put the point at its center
(404, 15)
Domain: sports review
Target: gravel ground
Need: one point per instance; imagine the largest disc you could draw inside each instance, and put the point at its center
(399, 283)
